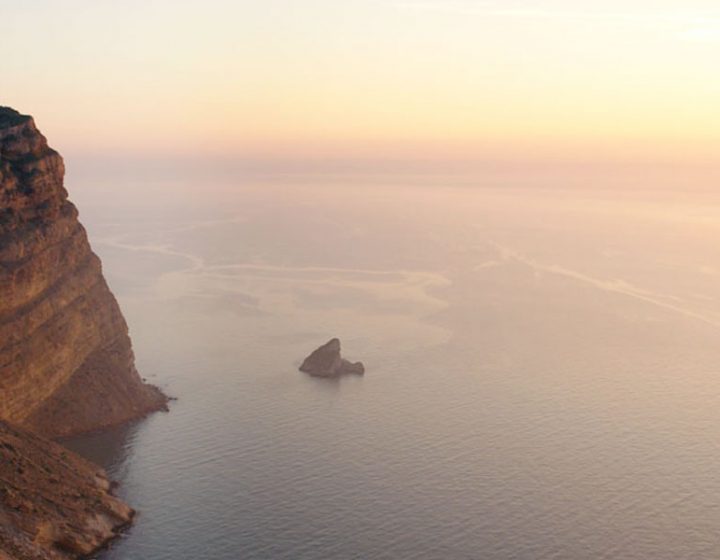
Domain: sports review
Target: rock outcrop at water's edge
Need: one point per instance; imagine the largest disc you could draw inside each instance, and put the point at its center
(326, 361)
(53, 504)
(66, 363)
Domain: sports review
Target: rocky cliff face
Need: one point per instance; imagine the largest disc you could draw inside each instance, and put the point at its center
(66, 364)
(53, 504)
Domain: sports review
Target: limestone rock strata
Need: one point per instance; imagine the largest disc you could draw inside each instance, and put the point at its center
(53, 504)
(66, 363)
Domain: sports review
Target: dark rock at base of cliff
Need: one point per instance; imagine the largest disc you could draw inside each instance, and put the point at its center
(110, 396)
(326, 361)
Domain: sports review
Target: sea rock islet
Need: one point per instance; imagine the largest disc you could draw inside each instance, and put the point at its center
(327, 361)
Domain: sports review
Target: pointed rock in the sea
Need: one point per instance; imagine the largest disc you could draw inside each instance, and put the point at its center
(326, 361)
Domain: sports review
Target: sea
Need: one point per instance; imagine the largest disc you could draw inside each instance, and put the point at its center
(542, 366)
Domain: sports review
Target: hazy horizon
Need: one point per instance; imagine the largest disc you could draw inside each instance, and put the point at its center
(367, 80)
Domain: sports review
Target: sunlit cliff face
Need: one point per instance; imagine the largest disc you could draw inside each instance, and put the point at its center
(372, 78)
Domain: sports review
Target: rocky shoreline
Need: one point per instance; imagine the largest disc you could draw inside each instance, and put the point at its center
(53, 504)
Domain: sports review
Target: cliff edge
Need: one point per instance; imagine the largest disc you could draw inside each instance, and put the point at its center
(53, 504)
(66, 362)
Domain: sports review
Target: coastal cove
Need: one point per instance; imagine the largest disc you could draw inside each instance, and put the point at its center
(542, 369)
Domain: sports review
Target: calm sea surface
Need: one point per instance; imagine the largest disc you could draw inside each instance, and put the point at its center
(543, 371)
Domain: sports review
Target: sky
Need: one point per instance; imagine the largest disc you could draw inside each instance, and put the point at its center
(445, 80)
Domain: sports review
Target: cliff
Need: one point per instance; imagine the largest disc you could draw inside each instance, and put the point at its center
(66, 362)
(53, 504)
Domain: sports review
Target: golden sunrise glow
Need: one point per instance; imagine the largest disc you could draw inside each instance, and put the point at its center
(372, 78)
